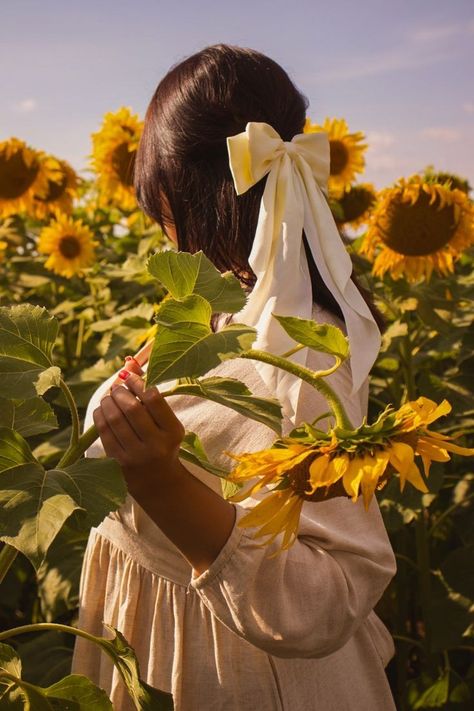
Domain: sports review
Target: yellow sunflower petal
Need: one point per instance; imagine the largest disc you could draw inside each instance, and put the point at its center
(353, 476)
(373, 468)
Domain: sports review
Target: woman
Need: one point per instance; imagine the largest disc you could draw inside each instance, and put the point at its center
(212, 618)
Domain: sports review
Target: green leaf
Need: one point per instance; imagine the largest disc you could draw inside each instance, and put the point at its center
(235, 395)
(436, 696)
(186, 347)
(58, 577)
(17, 694)
(322, 337)
(28, 417)
(49, 378)
(81, 694)
(192, 451)
(145, 697)
(10, 663)
(35, 503)
(184, 274)
(27, 337)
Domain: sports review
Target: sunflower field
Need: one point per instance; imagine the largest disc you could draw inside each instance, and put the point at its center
(82, 277)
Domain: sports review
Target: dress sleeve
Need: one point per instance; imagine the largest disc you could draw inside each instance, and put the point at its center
(309, 600)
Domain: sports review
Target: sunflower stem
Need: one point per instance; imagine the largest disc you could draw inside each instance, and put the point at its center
(423, 560)
(309, 376)
(7, 557)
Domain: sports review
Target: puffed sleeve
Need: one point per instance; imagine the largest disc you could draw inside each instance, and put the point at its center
(307, 601)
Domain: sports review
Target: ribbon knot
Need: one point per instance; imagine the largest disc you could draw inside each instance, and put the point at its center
(294, 201)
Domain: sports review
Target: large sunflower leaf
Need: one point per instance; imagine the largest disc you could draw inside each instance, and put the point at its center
(16, 694)
(27, 337)
(322, 337)
(185, 345)
(234, 394)
(184, 274)
(28, 417)
(35, 503)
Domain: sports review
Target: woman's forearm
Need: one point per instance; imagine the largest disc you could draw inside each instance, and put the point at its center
(194, 517)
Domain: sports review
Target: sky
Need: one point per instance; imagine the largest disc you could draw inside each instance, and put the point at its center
(399, 71)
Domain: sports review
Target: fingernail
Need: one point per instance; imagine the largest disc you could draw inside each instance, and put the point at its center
(128, 358)
(123, 374)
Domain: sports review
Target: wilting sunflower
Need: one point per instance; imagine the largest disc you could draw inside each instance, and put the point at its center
(311, 465)
(113, 157)
(356, 204)
(346, 153)
(60, 192)
(70, 245)
(24, 173)
(418, 227)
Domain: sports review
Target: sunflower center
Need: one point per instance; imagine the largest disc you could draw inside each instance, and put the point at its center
(69, 246)
(356, 202)
(16, 176)
(55, 190)
(123, 162)
(339, 156)
(419, 229)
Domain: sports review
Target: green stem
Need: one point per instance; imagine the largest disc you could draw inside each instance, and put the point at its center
(309, 376)
(74, 414)
(292, 351)
(42, 626)
(76, 450)
(80, 338)
(7, 557)
(408, 640)
(423, 560)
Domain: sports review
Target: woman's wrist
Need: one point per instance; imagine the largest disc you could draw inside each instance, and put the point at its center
(196, 519)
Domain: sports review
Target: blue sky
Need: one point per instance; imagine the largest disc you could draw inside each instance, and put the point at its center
(399, 71)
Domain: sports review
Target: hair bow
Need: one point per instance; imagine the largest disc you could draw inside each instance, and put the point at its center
(293, 201)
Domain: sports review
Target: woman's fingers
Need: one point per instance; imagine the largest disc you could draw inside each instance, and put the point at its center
(118, 422)
(112, 445)
(156, 406)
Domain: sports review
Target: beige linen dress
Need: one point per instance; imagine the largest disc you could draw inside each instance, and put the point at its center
(295, 632)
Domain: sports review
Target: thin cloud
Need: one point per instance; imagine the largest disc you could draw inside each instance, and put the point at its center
(441, 133)
(469, 107)
(418, 48)
(26, 106)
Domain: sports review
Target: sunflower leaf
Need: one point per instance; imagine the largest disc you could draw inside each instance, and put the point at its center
(28, 417)
(35, 503)
(185, 345)
(184, 274)
(192, 451)
(235, 395)
(322, 337)
(27, 337)
(17, 694)
(144, 696)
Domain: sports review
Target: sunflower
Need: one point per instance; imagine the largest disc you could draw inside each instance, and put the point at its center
(24, 173)
(60, 192)
(340, 463)
(3, 247)
(419, 227)
(70, 246)
(346, 153)
(113, 157)
(356, 204)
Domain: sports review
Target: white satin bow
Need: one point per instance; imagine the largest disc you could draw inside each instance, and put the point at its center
(293, 201)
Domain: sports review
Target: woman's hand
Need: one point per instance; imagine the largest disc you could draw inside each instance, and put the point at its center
(143, 434)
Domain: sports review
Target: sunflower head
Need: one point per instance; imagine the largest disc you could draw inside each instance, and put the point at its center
(114, 149)
(418, 227)
(356, 204)
(60, 192)
(346, 153)
(24, 173)
(351, 463)
(70, 245)
(449, 180)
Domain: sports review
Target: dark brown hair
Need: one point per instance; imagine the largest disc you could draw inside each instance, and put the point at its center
(183, 154)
